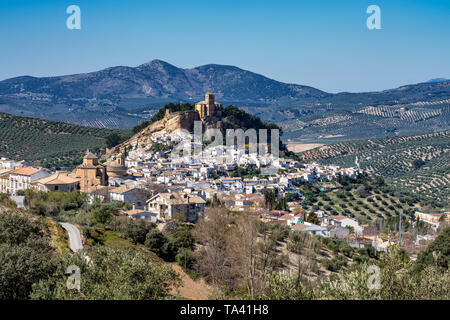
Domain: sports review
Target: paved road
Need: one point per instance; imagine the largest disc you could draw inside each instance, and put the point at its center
(75, 242)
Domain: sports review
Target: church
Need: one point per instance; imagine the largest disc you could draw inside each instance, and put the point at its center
(91, 173)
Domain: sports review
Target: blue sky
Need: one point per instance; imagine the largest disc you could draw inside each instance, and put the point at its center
(324, 44)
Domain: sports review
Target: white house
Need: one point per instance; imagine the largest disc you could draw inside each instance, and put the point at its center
(338, 232)
(168, 205)
(137, 214)
(4, 180)
(132, 163)
(57, 182)
(136, 196)
(22, 178)
(312, 229)
(345, 222)
(234, 184)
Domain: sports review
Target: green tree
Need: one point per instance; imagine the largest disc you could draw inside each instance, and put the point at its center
(115, 273)
(397, 281)
(379, 180)
(103, 214)
(183, 238)
(137, 231)
(270, 199)
(26, 256)
(155, 241)
(438, 252)
(185, 258)
(418, 163)
(285, 287)
(312, 218)
(113, 140)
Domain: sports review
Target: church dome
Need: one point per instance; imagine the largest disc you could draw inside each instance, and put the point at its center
(116, 168)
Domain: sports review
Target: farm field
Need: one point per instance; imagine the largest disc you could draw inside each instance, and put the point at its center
(301, 147)
(49, 143)
(368, 203)
(419, 165)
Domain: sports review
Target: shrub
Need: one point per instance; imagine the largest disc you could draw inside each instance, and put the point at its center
(26, 256)
(137, 231)
(334, 264)
(155, 241)
(116, 274)
(185, 258)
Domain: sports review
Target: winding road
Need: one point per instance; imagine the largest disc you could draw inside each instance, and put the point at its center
(75, 242)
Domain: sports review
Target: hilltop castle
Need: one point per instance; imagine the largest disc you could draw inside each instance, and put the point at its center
(208, 111)
(208, 107)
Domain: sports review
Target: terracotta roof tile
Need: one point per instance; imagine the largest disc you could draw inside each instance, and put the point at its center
(25, 171)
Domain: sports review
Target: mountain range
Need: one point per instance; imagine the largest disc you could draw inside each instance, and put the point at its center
(121, 97)
(438, 80)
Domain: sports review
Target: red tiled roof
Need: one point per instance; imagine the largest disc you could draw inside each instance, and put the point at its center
(25, 171)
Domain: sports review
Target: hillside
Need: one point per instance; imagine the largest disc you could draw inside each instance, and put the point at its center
(323, 124)
(159, 80)
(122, 97)
(117, 96)
(173, 117)
(52, 144)
(363, 200)
(416, 164)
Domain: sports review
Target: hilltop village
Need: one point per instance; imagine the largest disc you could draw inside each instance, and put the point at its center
(159, 187)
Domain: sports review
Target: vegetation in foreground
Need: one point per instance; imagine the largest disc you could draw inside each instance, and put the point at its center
(236, 254)
(31, 268)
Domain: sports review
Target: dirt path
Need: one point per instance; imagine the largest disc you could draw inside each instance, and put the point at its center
(190, 289)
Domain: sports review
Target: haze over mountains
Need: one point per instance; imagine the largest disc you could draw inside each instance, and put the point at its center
(124, 96)
(438, 80)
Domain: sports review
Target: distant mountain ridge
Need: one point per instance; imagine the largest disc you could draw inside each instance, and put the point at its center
(121, 97)
(438, 80)
(159, 79)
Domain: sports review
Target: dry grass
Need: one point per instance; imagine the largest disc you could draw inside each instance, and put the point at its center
(191, 289)
(301, 147)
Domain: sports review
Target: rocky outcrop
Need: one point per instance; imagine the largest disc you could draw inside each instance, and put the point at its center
(171, 122)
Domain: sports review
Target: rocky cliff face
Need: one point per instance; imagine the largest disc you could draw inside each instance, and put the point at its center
(172, 122)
